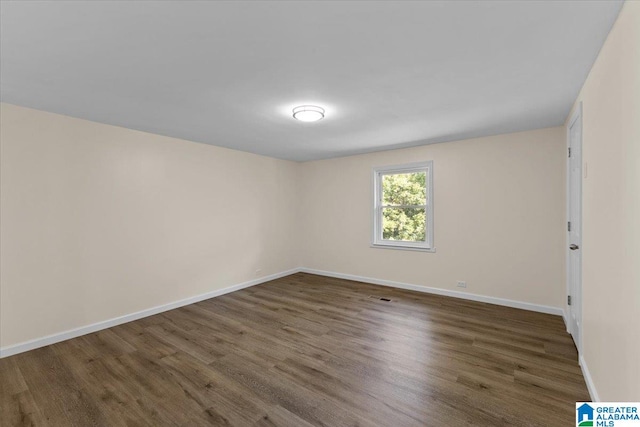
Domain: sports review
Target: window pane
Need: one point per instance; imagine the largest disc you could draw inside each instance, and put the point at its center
(404, 189)
(405, 224)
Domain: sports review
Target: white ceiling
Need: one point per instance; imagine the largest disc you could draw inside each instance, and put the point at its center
(389, 74)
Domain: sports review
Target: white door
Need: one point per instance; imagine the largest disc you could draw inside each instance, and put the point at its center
(574, 226)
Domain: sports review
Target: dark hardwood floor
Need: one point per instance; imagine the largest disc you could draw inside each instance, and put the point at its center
(305, 350)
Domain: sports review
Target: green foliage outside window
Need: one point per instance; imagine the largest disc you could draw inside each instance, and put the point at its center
(404, 199)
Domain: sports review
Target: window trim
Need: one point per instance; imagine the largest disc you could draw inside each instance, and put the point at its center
(376, 237)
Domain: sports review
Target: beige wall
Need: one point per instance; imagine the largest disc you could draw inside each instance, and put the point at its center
(99, 221)
(611, 212)
(499, 217)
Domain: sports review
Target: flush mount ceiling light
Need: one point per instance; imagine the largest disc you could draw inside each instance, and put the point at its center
(308, 113)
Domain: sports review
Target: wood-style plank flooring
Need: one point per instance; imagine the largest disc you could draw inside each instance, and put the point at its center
(301, 351)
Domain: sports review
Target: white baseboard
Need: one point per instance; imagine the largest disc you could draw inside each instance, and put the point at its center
(587, 378)
(73, 333)
(455, 294)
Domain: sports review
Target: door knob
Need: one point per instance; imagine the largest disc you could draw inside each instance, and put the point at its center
(574, 247)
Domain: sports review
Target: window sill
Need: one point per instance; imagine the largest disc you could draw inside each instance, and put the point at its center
(403, 248)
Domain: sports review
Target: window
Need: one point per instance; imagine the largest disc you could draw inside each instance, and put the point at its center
(403, 206)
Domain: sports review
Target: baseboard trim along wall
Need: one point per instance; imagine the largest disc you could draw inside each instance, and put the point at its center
(587, 378)
(438, 291)
(566, 320)
(73, 333)
(95, 327)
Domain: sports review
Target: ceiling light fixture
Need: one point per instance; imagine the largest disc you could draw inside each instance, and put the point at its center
(308, 113)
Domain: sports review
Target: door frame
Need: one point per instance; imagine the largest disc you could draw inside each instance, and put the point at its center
(577, 114)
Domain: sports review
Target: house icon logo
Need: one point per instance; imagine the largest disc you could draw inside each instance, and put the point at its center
(584, 416)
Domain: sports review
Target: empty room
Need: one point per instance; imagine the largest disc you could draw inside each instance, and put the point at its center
(320, 213)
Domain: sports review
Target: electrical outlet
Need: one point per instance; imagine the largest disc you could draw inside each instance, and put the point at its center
(462, 284)
(258, 271)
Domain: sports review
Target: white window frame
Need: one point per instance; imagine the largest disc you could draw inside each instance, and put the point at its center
(377, 241)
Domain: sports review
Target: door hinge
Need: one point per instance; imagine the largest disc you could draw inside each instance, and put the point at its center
(569, 151)
(569, 226)
(568, 299)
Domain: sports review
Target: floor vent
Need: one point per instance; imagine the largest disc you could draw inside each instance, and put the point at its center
(380, 298)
